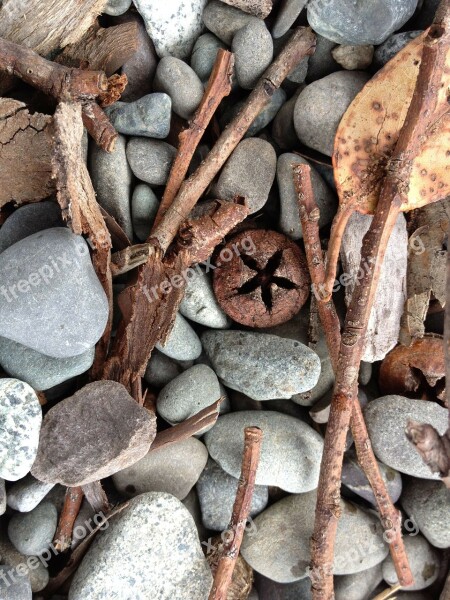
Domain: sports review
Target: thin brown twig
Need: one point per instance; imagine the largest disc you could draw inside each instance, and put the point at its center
(241, 511)
(71, 508)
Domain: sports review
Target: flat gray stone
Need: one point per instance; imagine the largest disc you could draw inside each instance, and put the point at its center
(27, 493)
(290, 452)
(204, 55)
(424, 562)
(173, 469)
(150, 160)
(155, 529)
(199, 303)
(32, 532)
(268, 113)
(253, 51)
(427, 503)
(217, 492)
(224, 21)
(181, 83)
(260, 365)
(50, 298)
(161, 369)
(183, 343)
(32, 567)
(91, 435)
(149, 116)
(20, 423)
(27, 220)
(287, 15)
(285, 558)
(354, 479)
(358, 586)
(386, 419)
(144, 206)
(392, 46)
(17, 587)
(117, 7)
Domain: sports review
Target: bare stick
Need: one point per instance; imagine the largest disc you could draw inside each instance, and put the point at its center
(241, 510)
(71, 508)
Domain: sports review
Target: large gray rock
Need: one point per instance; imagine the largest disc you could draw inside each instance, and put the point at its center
(27, 220)
(183, 343)
(199, 303)
(155, 529)
(358, 586)
(91, 435)
(204, 55)
(27, 493)
(144, 206)
(33, 567)
(17, 587)
(50, 297)
(161, 369)
(20, 423)
(279, 545)
(149, 116)
(286, 16)
(253, 50)
(32, 532)
(150, 160)
(181, 83)
(260, 365)
(224, 21)
(290, 452)
(386, 420)
(424, 562)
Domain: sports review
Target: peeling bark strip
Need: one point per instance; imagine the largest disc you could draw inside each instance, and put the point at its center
(71, 508)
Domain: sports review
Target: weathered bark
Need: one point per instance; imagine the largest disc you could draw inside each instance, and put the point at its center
(72, 504)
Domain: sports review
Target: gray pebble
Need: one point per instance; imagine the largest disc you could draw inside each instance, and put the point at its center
(268, 113)
(386, 419)
(392, 46)
(27, 220)
(423, 560)
(2, 497)
(117, 7)
(27, 493)
(365, 372)
(353, 58)
(154, 529)
(244, 176)
(183, 343)
(144, 206)
(17, 587)
(224, 21)
(290, 452)
(173, 469)
(199, 303)
(149, 116)
(271, 590)
(322, 63)
(161, 369)
(358, 586)
(253, 50)
(32, 532)
(217, 492)
(150, 160)
(283, 131)
(20, 565)
(181, 83)
(321, 106)
(287, 15)
(354, 479)
(204, 55)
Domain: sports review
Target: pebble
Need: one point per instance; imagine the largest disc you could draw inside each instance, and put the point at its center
(150, 160)
(217, 492)
(27, 493)
(260, 365)
(38, 370)
(283, 131)
(322, 63)
(20, 423)
(161, 369)
(199, 303)
(154, 529)
(321, 106)
(173, 25)
(353, 58)
(111, 177)
(287, 15)
(279, 545)
(27, 220)
(347, 22)
(32, 532)
(268, 113)
(354, 479)
(272, 590)
(365, 372)
(181, 83)
(149, 116)
(325, 198)
(117, 7)
(358, 586)
(173, 469)
(183, 343)
(2, 497)
(423, 560)
(91, 435)
(253, 51)
(386, 419)
(144, 206)
(16, 588)
(204, 55)
(392, 46)
(225, 21)
(290, 452)
(244, 176)
(35, 569)
(427, 503)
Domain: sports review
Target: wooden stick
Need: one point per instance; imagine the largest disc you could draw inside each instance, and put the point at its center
(241, 511)
(71, 508)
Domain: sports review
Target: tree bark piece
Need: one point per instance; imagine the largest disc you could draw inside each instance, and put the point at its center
(258, 8)
(241, 511)
(71, 508)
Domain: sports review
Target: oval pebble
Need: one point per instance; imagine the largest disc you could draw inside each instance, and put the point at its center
(199, 303)
(150, 160)
(32, 532)
(144, 206)
(253, 50)
(181, 83)
(27, 493)
(225, 21)
(149, 116)
(161, 369)
(183, 343)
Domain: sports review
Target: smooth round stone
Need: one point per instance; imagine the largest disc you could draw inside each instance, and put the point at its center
(321, 106)
(386, 419)
(27, 493)
(173, 25)
(244, 176)
(282, 130)
(424, 562)
(183, 343)
(27, 220)
(262, 366)
(149, 116)
(268, 113)
(173, 469)
(285, 558)
(38, 370)
(253, 50)
(354, 479)
(358, 586)
(50, 298)
(287, 15)
(32, 532)
(326, 200)
(322, 63)
(161, 369)
(117, 7)
(290, 452)
(427, 503)
(20, 424)
(181, 83)
(360, 23)
(204, 55)
(17, 587)
(353, 58)
(154, 529)
(111, 177)
(271, 590)
(150, 160)
(217, 492)
(32, 567)
(144, 206)
(199, 303)
(2, 497)
(224, 21)
(392, 46)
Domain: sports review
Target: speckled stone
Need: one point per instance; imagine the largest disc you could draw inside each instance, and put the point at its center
(253, 51)
(217, 492)
(424, 562)
(32, 532)
(181, 83)
(30, 566)
(353, 58)
(150, 160)
(149, 116)
(173, 469)
(17, 587)
(117, 7)
(392, 46)
(358, 586)
(161, 369)
(268, 113)
(27, 220)
(144, 206)
(20, 423)
(354, 479)
(173, 25)
(386, 419)
(199, 303)
(286, 16)
(183, 343)
(224, 21)
(155, 529)
(204, 55)
(27, 493)
(290, 452)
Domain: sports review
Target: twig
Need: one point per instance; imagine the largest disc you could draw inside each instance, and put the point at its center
(241, 510)
(71, 508)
